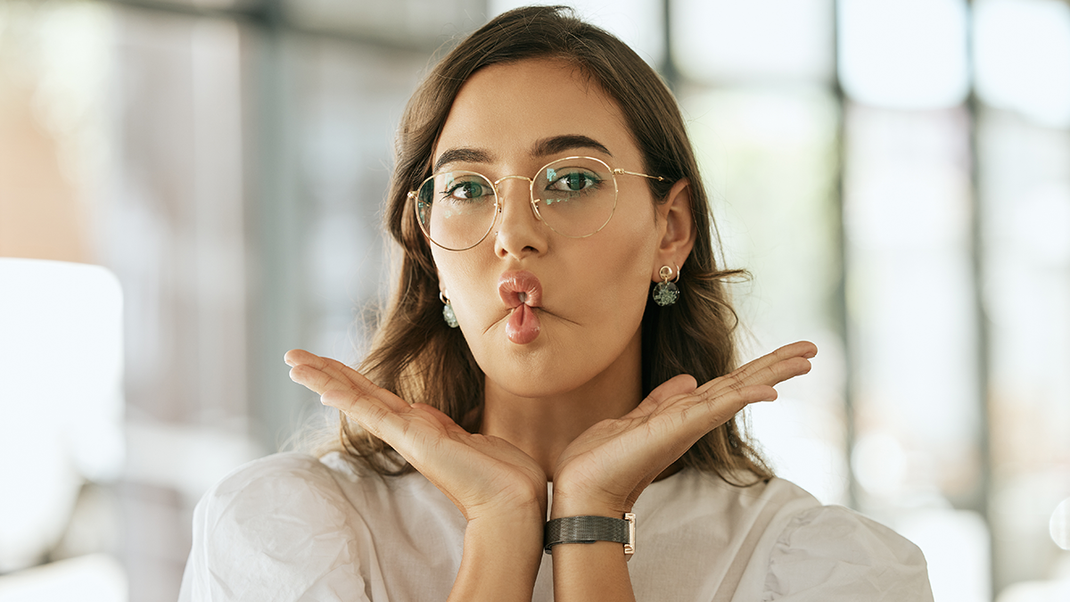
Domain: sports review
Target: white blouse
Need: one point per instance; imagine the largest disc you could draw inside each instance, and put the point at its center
(292, 527)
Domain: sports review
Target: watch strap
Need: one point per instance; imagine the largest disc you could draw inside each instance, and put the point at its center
(589, 529)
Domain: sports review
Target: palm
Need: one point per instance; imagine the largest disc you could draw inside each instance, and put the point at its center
(611, 463)
(478, 473)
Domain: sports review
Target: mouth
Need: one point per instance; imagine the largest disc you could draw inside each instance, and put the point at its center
(520, 287)
(521, 291)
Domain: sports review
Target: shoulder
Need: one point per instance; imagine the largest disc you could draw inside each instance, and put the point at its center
(703, 538)
(776, 541)
(273, 503)
(270, 529)
(280, 467)
(835, 553)
(274, 485)
(743, 508)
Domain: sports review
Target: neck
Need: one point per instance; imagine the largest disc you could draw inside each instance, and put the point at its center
(543, 427)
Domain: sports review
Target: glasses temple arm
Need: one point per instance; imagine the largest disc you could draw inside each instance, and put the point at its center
(619, 171)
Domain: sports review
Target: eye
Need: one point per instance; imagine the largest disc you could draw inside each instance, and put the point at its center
(571, 180)
(467, 190)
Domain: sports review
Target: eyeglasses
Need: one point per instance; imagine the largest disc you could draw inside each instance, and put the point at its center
(574, 196)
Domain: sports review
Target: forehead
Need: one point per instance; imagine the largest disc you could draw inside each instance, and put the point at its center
(506, 109)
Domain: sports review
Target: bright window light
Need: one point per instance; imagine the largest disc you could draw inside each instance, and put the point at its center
(91, 578)
(732, 41)
(1022, 57)
(904, 54)
(60, 397)
(638, 23)
(956, 548)
(1060, 525)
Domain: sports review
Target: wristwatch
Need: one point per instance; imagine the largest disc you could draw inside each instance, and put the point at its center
(589, 529)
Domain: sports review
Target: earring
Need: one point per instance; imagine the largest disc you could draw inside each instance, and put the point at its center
(447, 310)
(665, 292)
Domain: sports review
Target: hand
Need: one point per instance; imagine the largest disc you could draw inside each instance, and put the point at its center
(606, 468)
(481, 475)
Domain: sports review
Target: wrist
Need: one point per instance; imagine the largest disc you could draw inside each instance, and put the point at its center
(567, 504)
(589, 530)
(514, 524)
(501, 558)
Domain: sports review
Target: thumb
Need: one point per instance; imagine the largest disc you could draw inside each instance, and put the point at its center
(681, 384)
(442, 417)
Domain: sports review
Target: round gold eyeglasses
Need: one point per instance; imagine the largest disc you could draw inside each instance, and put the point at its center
(574, 196)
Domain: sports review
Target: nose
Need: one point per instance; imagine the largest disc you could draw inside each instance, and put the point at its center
(519, 232)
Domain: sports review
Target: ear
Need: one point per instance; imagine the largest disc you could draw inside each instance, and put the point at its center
(677, 229)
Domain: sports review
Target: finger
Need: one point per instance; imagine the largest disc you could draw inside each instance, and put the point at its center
(801, 349)
(765, 376)
(777, 373)
(296, 356)
(726, 408)
(372, 414)
(693, 416)
(764, 370)
(315, 380)
(322, 374)
(333, 368)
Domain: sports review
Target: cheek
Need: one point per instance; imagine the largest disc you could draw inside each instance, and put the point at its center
(467, 285)
(617, 286)
(456, 269)
(617, 275)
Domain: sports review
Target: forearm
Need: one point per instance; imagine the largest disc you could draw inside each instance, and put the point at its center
(500, 560)
(591, 571)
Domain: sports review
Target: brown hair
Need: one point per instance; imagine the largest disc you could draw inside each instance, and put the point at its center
(419, 358)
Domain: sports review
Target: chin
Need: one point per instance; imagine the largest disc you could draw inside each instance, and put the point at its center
(525, 371)
(532, 385)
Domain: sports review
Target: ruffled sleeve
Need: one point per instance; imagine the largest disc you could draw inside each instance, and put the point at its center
(830, 554)
(274, 530)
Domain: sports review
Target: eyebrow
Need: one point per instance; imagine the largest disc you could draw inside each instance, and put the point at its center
(462, 155)
(559, 144)
(542, 148)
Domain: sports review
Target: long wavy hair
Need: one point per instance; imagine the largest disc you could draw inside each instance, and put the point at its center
(418, 357)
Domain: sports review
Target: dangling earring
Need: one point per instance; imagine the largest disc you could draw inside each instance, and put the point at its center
(447, 310)
(665, 292)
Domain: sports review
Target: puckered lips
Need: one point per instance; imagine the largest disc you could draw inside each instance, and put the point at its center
(521, 291)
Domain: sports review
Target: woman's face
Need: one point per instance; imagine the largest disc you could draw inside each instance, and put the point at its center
(543, 313)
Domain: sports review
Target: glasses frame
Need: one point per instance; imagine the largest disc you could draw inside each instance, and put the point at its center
(414, 196)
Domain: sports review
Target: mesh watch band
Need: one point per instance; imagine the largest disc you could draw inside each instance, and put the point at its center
(589, 529)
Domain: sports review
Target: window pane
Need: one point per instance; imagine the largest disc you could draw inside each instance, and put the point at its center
(639, 23)
(727, 40)
(406, 23)
(907, 54)
(1025, 186)
(906, 212)
(911, 309)
(768, 160)
(1022, 57)
(344, 129)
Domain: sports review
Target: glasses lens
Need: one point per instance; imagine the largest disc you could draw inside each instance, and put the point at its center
(456, 209)
(576, 196)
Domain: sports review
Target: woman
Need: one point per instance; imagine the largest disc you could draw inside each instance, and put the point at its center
(559, 298)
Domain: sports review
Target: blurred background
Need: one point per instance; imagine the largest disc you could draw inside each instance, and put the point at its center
(894, 173)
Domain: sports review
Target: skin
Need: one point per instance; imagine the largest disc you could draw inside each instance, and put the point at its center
(568, 406)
